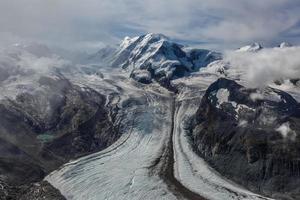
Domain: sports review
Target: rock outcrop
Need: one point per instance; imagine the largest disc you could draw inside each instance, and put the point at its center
(250, 136)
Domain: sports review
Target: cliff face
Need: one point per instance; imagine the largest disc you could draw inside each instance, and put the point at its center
(250, 136)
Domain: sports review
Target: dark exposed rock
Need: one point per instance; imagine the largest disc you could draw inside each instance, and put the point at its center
(202, 57)
(34, 191)
(142, 76)
(39, 131)
(166, 83)
(250, 136)
(41, 190)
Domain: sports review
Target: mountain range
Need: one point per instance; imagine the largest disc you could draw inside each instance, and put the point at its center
(149, 119)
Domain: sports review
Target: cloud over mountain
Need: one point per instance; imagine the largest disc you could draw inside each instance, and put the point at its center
(89, 24)
(267, 65)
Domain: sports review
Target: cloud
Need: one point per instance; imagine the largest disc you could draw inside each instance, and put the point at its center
(39, 65)
(21, 69)
(265, 66)
(219, 23)
(256, 96)
(286, 132)
(20, 61)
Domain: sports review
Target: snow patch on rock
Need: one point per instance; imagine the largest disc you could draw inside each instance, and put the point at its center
(222, 96)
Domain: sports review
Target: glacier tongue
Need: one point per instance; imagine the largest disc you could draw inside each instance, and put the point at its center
(122, 170)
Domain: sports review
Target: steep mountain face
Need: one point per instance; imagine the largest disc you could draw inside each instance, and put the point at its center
(153, 52)
(250, 136)
(45, 121)
(40, 131)
(157, 55)
(57, 122)
(202, 57)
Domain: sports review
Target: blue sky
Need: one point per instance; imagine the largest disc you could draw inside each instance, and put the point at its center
(90, 24)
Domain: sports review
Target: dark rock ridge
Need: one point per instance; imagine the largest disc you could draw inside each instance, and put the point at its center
(251, 137)
(43, 129)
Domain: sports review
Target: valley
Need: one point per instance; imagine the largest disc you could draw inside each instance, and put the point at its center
(153, 159)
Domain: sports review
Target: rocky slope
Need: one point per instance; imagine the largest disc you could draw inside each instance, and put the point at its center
(45, 121)
(33, 191)
(41, 131)
(250, 136)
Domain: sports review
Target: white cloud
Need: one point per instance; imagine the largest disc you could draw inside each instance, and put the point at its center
(263, 67)
(39, 65)
(286, 132)
(225, 22)
(256, 96)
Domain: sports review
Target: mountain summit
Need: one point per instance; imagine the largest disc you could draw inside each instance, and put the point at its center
(157, 57)
(285, 44)
(254, 47)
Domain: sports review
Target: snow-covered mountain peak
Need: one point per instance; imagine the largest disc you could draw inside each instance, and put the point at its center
(160, 56)
(127, 41)
(254, 47)
(285, 44)
(154, 37)
(155, 53)
(144, 39)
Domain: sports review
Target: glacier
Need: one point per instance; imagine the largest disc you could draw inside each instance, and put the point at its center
(131, 168)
